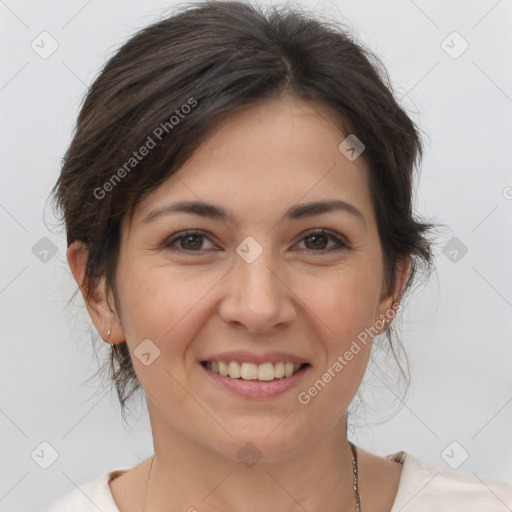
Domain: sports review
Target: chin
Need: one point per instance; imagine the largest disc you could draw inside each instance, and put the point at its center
(267, 441)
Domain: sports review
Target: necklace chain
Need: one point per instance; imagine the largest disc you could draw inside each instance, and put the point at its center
(357, 498)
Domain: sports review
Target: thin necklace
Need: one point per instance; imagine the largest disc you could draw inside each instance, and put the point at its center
(357, 498)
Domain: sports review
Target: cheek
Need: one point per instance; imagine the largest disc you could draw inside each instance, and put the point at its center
(162, 304)
(346, 309)
(346, 301)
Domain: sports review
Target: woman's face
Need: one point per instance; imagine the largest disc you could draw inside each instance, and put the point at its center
(256, 282)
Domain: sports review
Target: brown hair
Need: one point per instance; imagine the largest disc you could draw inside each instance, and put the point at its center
(217, 57)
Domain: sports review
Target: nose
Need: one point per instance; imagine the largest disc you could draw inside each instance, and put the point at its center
(257, 297)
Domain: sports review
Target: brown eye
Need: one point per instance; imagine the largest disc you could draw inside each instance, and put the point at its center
(191, 242)
(319, 242)
(186, 241)
(316, 241)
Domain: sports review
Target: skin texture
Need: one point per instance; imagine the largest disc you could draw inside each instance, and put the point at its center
(299, 296)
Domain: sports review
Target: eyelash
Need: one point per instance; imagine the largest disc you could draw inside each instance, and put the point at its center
(343, 245)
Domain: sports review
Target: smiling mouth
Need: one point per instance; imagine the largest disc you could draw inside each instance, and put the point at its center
(251, 371)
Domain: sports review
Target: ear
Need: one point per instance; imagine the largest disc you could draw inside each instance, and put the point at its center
(103, 317)
(390, 303)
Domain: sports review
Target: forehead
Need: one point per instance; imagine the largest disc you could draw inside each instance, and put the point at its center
(266, 157)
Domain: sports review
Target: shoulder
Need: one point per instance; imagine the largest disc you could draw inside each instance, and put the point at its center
(428, 488)
(88, 497)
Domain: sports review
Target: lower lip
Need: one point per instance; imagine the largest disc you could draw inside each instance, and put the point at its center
(257, 388)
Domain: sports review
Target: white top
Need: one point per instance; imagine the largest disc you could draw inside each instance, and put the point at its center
(421, 489)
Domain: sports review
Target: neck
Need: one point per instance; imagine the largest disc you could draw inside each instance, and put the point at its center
(187, 475)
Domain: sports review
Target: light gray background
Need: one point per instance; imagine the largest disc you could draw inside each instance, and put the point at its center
(456, 330)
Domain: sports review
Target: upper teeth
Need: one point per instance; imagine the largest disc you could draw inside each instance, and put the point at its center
(252, 371)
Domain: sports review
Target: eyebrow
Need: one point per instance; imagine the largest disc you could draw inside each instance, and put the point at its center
(215, 212)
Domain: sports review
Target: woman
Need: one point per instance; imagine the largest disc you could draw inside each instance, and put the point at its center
(237, 199)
